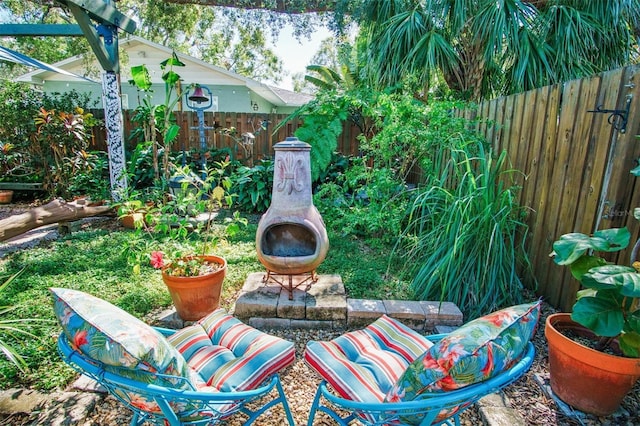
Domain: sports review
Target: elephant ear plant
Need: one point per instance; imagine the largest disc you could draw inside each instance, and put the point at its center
(609, 304)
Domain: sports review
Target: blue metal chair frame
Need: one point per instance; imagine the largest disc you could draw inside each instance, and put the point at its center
(205, 408)
(430, 407)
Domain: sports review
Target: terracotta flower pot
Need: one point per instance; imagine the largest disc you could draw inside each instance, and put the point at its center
(195, 297)
(589, 380)
(6, 195)
(129, 221)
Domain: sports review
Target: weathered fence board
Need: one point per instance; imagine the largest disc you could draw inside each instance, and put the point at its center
(189, 136)
(575, 164)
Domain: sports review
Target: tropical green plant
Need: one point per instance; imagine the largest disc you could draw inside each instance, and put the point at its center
(364, 201)
(187, 215)
(158, 118)
(609, 303)
(253, 186)
(92, 178)
(12, 328)
(464, 234)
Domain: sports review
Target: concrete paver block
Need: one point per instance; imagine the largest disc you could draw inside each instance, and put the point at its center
(269, 323)
(408, 312)
(445, 313)
(326, 299)
(87, 384)
(169, 318)
(496, 411)
(295, 308)
(257, 299)
(21, 401)
(316, 325)
(362, 312)
(68, 408)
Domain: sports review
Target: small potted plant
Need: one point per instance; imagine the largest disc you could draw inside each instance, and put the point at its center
(132, 213)
(595, 377)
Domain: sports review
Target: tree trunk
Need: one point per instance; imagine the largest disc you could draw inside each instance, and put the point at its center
(56, 211)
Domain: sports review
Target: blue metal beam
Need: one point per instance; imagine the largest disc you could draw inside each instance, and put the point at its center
(57, 30)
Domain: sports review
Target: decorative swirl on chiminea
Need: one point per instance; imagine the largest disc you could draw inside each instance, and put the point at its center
(288, 169)
(291, 238)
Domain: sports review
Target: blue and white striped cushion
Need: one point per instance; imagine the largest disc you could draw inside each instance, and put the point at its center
(364, 365)
(230, 355)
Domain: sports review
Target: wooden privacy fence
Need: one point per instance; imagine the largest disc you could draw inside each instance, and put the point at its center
(576, 164)
(261, 125)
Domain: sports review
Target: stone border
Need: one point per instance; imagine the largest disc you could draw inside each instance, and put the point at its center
(324, 304)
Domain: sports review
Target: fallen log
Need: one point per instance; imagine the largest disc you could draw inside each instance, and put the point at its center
(56, 211)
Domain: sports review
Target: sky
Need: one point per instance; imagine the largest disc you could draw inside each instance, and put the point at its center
(296, 55)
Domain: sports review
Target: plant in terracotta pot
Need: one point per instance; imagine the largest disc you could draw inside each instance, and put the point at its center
(607, 313)
(195, 280)
(133, 213)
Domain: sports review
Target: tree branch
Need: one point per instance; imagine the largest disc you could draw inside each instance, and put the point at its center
(290, 7)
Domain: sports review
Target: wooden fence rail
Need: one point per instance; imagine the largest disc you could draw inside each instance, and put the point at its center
(261, 125)
(576, 164)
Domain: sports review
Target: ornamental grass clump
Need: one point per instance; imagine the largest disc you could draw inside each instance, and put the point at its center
(464, 235)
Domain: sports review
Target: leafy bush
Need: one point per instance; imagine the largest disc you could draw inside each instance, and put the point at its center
(464, 235)
(364, 202)
(253, 186)
(18, 105)
(93, 181)
(60, 142)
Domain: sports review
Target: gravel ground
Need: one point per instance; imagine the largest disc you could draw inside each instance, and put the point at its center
(299, 381)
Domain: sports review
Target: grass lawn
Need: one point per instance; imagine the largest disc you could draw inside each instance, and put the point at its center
(92, 260)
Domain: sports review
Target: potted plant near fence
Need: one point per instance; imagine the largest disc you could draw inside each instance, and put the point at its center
(594, 352)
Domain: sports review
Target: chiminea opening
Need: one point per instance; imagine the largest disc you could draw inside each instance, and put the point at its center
(291, 238)
(288, 240)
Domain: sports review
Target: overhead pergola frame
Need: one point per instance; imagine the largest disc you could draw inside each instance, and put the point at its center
(101, 37)
(99, 22)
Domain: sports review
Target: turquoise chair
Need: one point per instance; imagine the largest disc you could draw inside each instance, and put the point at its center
(327, 402)
(389, 374)
(202, 408)
(198, 375)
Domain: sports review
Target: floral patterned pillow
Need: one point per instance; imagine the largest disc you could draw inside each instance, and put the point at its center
(472, 353)
(122, 342)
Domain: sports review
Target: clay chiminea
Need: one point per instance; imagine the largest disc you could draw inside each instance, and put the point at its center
(291, 238)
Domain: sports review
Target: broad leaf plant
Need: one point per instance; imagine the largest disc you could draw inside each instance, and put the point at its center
(609, 304)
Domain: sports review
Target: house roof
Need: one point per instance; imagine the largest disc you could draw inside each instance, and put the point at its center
(136, 50)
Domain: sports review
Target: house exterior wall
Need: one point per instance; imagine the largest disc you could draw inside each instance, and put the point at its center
(230, 98)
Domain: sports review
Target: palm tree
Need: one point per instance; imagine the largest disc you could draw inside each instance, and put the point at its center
(486, 47)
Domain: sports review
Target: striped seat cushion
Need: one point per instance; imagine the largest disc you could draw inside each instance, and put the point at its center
(364, 365)
(229, 355)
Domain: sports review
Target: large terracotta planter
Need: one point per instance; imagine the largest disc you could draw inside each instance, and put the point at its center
(195, 297)
(591, 381)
